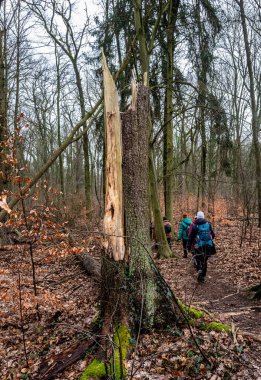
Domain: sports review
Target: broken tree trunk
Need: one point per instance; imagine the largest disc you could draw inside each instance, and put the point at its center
(115, 331)
(114, 246)
(133, 292)
(113, 218)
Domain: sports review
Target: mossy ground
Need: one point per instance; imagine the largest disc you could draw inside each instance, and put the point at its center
(193, 314)
(121, 340)
(190, 311)
(216, 326)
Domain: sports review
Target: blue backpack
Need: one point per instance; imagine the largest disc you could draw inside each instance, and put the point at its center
(204, 238)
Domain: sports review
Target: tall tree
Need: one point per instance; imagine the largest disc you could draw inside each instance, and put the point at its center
(3, 115)
(255, 121)
(145, 49)
(58, 106)
(168, 155)
(70, 44)
(205, 56)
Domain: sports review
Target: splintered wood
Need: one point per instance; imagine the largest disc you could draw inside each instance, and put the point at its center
(113, 217)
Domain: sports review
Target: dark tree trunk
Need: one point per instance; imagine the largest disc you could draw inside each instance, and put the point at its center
(168, 151)
(255, 124)
(135, 139)
(3, 117)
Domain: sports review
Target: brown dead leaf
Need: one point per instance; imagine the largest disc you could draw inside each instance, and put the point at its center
(4, 204)
(159, 370)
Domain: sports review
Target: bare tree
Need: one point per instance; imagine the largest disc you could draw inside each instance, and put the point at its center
(70, 43)
(255, 121)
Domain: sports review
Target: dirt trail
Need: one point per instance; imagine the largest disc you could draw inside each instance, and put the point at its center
(230, 272)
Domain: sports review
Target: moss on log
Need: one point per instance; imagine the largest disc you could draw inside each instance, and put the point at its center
(194, 314)
(190, 311)
(121, 345)
(216, 326)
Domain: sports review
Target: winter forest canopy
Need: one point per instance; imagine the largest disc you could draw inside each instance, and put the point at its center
(85, 162)
(52, 57)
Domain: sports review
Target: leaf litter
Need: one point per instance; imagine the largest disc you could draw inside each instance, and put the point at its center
(67, 302)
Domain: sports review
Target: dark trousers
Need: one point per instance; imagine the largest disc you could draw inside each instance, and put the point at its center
(169, 241)
(185, 250)
(201, 261)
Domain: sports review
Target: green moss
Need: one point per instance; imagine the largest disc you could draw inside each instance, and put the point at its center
(97, 369)
(197, 314)
(217, 326)
(194, 313)
(122, 342)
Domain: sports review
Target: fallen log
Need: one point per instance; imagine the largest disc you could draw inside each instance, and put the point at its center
(91, 266)
(50, 368)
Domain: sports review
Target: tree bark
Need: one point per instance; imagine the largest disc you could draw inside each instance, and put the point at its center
(18, 145)
(255, 125)
(91, 266)
(160, 236)
(87, 176)
(135, 140)
(113, 216)
(168, 130)
(146, 296)
(144, 50)
(201, 102)
(3, 116)
(58, 78)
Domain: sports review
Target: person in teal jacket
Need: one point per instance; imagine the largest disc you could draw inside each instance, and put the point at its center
(183, 233)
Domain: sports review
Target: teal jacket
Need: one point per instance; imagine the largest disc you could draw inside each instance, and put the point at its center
(184, 228)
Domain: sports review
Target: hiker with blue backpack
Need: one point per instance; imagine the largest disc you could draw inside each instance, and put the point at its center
(183, 233)
(201, 239)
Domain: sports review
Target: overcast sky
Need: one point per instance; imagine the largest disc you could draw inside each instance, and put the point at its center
(91, 6)
(78, 18)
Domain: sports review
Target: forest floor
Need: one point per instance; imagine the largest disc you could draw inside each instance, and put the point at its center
(58, 317)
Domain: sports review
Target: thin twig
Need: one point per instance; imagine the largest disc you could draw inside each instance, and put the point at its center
(21, 317)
